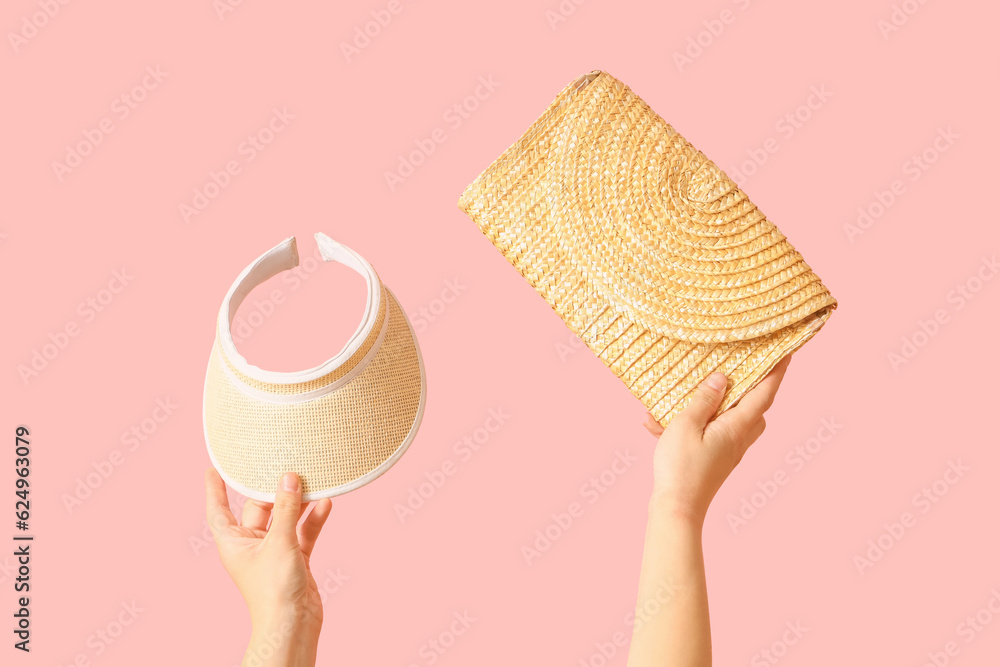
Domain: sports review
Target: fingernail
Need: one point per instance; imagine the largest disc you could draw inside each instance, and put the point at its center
(717, 381)
(289, 482)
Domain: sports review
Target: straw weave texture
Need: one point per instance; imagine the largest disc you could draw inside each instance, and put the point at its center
(311, 385)
(329, 441)
(648, 251)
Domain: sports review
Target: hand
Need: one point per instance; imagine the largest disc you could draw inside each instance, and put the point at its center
(694, 455)
(270, 566)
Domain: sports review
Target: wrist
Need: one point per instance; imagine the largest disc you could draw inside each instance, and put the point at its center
(274, 616)
(665, 508)
(284, 638)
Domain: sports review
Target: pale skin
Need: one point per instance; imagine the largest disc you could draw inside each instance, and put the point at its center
(693, 457)
(270, 566)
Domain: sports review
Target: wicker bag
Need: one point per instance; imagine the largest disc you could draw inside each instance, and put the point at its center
(645, 248)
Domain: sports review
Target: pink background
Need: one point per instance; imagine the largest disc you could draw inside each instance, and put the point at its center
(139, 535)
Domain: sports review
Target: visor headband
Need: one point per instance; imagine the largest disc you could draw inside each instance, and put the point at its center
(294, 386)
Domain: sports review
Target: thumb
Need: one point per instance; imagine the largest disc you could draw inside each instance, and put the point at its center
(705, 402)
(285, 513)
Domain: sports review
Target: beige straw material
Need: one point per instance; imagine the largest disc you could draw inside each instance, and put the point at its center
(335, 442)
(318, 383)
(646, 249)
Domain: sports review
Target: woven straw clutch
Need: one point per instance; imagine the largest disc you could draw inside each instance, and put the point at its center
(645, 248)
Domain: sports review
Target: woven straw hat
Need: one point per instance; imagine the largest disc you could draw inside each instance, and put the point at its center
(645, 248)
(338, 425)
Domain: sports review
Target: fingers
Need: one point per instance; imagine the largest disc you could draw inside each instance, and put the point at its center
(286, 510)
(705, 402)
(310, 528)
(754, 432)
(652, 425)
(217, 502)
(256, 514)
(756, 401)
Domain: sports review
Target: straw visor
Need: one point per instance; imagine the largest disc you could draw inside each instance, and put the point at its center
(645, 248)
(338, 425)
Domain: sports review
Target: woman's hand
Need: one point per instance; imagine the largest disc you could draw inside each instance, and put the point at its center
(694, 456)
(270, 566)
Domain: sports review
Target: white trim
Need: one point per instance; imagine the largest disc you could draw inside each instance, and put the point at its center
(267, 397)
(280, 258)
(382, 467)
